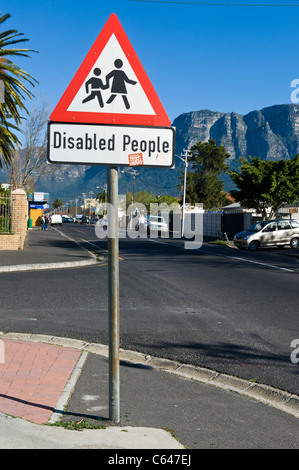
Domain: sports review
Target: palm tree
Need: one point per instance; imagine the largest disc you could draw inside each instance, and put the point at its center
(14, 80)
(58, 203)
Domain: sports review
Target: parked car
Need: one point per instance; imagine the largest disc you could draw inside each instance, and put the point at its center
(269, 233)
(67, 219)
(56, 219)
(156, 223)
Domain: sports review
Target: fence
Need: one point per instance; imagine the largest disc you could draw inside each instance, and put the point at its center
(235, 222)
(5, 214)
(13, 220)
(215, 224)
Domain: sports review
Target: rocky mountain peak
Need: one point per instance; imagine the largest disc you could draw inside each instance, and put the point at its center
(271, 133)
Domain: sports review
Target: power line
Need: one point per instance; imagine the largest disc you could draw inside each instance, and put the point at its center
(219, 4)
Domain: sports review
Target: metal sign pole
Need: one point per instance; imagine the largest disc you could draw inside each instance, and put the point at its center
(113, 293)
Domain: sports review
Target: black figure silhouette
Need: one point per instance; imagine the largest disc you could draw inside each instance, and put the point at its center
(96, 86)
(119, 83)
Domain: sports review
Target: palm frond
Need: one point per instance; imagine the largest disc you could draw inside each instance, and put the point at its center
(8, 143)
(16, 91)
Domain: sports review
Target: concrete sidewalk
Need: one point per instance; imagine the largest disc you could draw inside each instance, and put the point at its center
(46, 249)
(46, 381)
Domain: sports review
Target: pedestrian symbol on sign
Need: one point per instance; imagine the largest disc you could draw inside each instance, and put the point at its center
(118, 85)
(96, 86)
(119, 80)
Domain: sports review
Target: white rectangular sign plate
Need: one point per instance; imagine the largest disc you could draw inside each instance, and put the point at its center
(97, 144)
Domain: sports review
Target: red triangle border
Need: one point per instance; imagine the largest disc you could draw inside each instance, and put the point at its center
(60, 113)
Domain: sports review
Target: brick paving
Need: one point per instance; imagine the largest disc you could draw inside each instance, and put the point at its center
(32, 378)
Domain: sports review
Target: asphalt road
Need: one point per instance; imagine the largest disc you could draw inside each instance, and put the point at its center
(221, 308)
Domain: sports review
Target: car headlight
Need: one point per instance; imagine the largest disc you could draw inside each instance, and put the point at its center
(246, 237)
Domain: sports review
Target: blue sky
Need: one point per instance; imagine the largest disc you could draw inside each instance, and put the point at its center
(222, 58)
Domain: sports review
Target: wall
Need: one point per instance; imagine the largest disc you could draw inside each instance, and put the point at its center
(215, 223)
(15, 240)
(212, 224)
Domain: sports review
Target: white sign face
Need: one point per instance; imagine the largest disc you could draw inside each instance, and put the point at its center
(111, 86)
(38, 197)
(96, 144)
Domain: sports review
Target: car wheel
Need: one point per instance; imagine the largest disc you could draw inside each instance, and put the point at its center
(254, 246)
(294, 242)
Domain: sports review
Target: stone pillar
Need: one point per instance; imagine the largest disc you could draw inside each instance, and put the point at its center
(19, 221)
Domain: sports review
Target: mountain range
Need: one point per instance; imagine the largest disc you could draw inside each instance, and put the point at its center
(271, 133)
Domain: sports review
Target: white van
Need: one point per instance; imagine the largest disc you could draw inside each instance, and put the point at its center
(56, 219)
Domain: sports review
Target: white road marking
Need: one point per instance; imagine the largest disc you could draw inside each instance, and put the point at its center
(227, 256)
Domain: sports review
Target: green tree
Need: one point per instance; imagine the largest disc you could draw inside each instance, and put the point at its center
(265, 185)
(140, 197)
(147, 198)
(101, 197)
(57, 203)
(15, 82)
(203, 183)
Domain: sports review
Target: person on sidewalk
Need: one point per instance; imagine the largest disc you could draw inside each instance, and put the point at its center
(46, 222)
(43, 222)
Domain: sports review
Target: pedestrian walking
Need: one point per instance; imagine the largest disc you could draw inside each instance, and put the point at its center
(46, 222)
(43, 219)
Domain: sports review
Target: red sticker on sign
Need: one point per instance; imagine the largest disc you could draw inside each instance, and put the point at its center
(135, 159)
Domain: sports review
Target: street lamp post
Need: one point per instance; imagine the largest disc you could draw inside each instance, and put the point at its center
(84, 198)
(184, 194)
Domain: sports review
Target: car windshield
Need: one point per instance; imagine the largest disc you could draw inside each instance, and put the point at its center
(258, 226)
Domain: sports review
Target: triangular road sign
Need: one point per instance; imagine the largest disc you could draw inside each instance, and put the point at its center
(111, 86)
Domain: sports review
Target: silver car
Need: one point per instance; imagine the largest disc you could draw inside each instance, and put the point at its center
(157, 223)
(269, 233)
